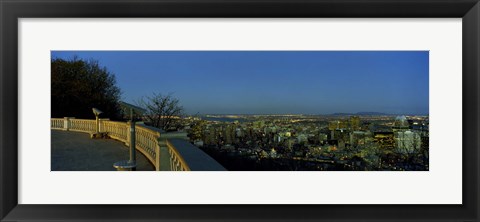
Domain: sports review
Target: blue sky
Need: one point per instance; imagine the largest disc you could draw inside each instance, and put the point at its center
(273, 82)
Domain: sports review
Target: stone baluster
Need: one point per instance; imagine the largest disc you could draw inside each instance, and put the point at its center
(66, 123)
(157, 151)
(157, 157)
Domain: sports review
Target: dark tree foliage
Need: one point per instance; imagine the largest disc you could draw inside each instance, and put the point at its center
(78, 86)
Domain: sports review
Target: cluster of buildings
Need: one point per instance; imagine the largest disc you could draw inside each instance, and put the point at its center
(320, 142)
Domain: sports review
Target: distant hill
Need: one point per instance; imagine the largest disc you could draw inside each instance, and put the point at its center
(361, 114)
(372, 114)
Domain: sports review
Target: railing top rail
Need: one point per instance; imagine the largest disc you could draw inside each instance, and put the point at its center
(197, 159)
(143, 127)
(84, 120)
(111, 121)
(178, 155)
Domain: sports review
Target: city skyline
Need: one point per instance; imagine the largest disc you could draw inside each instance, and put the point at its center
(273, 82)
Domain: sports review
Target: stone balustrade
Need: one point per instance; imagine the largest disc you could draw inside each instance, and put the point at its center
(177, 163)
(81, 125)
(116, 130)
(148, 140)
(186, 157)
(57, 123)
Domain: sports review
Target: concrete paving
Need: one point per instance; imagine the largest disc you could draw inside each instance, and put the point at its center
(74, 151)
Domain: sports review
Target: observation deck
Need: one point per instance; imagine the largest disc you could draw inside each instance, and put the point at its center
(73, 149)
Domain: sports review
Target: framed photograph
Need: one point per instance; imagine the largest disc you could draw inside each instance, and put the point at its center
(280, 110)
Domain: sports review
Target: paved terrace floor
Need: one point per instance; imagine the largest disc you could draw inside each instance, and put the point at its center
(74, 151)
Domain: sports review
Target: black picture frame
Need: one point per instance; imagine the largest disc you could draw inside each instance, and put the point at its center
(11, 11)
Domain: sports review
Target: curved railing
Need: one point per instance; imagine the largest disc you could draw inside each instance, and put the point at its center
(146, 140)
(177, 163)
(57, 123)
(72, 124)
(116, 130)
(183, 155)
(82, 125)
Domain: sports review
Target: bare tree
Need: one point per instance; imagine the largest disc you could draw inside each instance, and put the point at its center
(163, 111)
